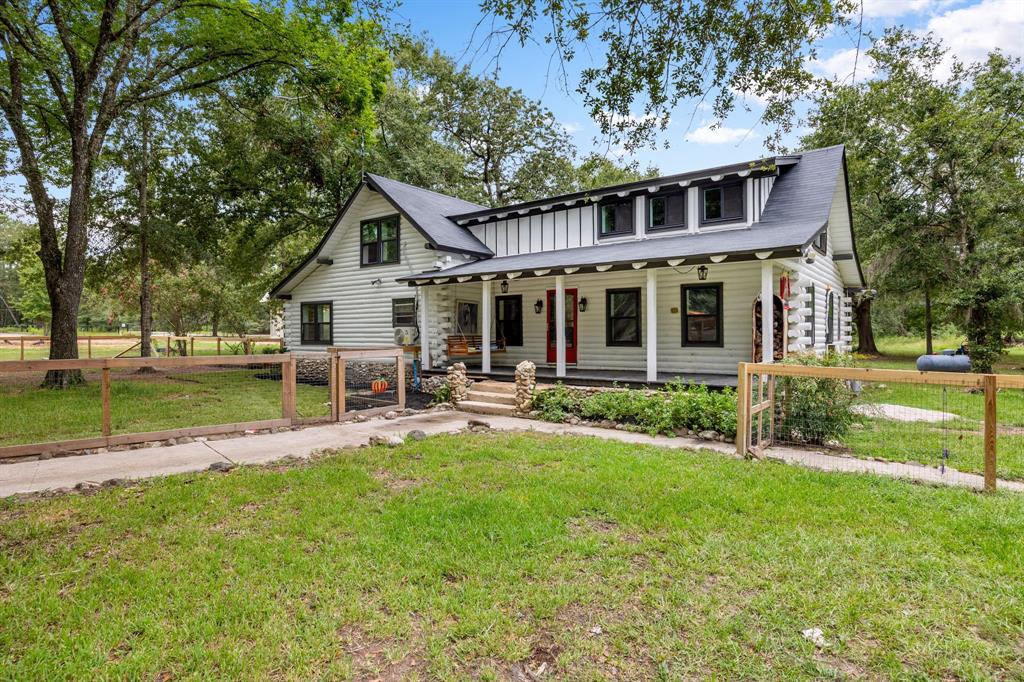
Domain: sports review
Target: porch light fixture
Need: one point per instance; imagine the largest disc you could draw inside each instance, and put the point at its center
(702, 273)
(538, 306)
(583, 304)
(504, 286)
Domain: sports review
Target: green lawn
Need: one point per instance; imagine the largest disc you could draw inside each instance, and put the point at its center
(30, 414)
(481, 556)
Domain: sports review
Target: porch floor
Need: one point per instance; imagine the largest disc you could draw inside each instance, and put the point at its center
(597, 377)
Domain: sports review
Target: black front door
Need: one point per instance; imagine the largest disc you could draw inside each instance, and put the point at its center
(508, 319)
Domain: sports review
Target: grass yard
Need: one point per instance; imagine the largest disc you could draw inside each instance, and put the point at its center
(494, 556)
(30, 414)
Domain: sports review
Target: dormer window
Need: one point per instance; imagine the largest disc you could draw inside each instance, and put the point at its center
(666, 211)
(616, 217)
(722, 203)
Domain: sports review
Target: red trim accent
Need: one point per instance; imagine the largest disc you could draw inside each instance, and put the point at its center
(572, 316)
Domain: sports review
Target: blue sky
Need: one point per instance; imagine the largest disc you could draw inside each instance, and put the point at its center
(970, 28)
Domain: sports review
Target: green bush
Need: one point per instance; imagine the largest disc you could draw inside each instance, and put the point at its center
(554, 404)
(443, 394)
(814, 411)
(675, 407)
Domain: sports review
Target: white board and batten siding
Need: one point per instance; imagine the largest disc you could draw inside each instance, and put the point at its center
(575, 226)
(361, 306)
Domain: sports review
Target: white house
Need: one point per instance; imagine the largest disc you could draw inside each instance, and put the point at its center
(642, 281)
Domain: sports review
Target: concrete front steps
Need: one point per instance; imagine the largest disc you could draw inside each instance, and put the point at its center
(491, 397)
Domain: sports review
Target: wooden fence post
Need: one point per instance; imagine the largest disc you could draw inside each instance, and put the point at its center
(332, 386)
(105, 399)
(88, 343)
(192, 346)
(218, 345)
(22, 348)
(288, 388)
(991, 427)
(400, 372)
(742, 410)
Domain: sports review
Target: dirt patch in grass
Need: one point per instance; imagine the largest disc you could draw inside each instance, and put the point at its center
(395, 483)
(384, 659)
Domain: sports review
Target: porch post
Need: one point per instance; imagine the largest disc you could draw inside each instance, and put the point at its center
(559, 325)
(652, 325)
(485, 326)
(767, 312)
(424, 330)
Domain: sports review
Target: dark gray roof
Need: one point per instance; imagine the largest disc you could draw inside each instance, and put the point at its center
(428, 212)
(797, 209)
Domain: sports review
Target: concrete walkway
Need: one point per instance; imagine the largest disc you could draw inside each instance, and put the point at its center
(66, 472)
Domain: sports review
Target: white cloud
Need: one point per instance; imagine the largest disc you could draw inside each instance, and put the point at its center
(840, 65)
(972, 32)
(572, 127)
(708, 133)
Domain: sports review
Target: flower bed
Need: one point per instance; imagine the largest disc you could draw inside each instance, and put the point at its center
(673, 409)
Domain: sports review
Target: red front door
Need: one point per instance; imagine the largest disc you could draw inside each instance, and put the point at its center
(570, 327)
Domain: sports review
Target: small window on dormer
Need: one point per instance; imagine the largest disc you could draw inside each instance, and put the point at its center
(666, 211)
(616, 217)
(722, 203)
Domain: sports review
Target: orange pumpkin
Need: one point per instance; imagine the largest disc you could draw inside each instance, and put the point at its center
(379, 386)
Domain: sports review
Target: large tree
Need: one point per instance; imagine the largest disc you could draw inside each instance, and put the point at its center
(73, 68)
(653, 55)
(936, 181)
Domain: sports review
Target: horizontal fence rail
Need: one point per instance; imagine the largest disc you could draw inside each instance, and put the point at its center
(949, 421)
(162, 343)
(120, 399)
(123, 401)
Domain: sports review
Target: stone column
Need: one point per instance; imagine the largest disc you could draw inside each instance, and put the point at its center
(458, 381)
(526, 382)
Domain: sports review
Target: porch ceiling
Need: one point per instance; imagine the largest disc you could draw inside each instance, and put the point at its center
(691, 249)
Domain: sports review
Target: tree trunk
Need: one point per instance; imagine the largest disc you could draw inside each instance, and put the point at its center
(63, 337)
(145, 279)
(928, 346)
(215, 323)
(865, 333)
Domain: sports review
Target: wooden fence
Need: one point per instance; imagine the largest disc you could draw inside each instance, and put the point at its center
(284, 364)
(756, 389)
(187, 343)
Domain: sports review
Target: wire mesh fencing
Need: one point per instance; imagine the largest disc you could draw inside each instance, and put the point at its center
(370, 380)
(930, 426)
(57, 405)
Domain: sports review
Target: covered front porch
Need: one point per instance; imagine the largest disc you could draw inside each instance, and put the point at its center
(639, 322)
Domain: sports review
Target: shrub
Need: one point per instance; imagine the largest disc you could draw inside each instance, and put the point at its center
(811, 410)
(675, 407)
(554, 404)
(443, 394)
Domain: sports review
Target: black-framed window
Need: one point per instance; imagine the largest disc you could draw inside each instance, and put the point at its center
(317, 323)
(830, 320)
(615, 217)
(622, 317)
(508, 319)
(722, 203)
(378, 241)
(702, 314)
(820, 242)
(666, 211)
(403, 312)
(814, 316)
